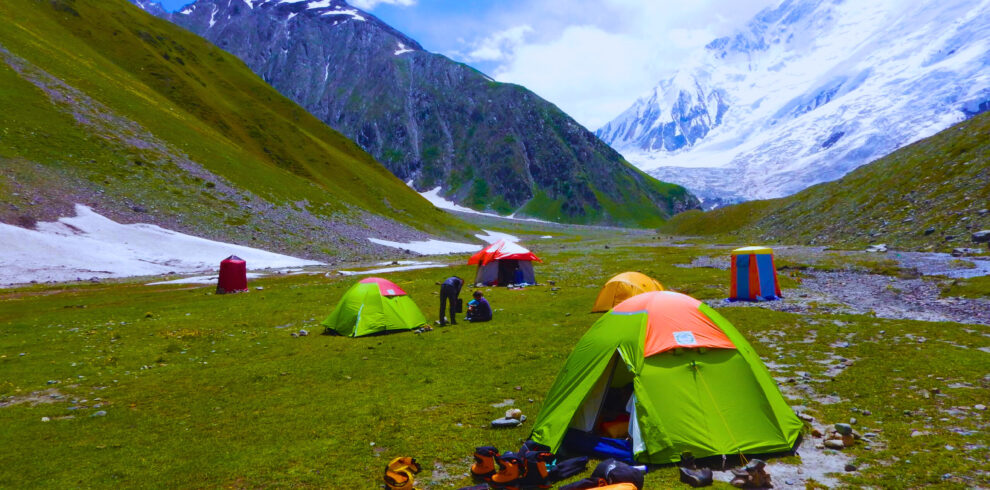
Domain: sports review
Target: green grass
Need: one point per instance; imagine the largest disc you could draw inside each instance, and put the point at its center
(137, 76)
(975, 287)
(206, 390)
(939, 183)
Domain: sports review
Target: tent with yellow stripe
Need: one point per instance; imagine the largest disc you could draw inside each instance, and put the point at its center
(696, 385)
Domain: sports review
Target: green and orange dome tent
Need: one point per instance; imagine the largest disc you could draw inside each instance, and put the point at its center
(697, 384)
(374, 306)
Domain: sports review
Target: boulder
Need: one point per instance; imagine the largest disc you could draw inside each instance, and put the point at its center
(963, 252)
(982, 236)
(834, 444)
(879, 248)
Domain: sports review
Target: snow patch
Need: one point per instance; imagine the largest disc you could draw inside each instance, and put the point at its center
(402, 49)
(494, 236)
(429, 247)
(433, 195)
(90, 245)
(384, 270)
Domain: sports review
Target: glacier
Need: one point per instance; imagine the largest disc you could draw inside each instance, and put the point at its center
(806, 92)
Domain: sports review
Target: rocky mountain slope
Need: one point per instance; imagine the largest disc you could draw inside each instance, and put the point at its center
(104, 105)
(431, 121)
(808, 91)
(931, 195)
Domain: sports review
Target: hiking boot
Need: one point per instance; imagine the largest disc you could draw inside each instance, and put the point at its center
(696, 478)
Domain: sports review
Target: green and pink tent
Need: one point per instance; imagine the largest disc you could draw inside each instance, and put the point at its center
(374, 306)
(688, 379)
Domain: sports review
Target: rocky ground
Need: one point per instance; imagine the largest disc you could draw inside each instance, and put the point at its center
(858, 292)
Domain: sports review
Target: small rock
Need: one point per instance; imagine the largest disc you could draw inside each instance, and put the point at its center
(45, 419)
(917, 433)
(980, 407)
(518, 388)
(101, 413)
(806, 417)
(850, 467)
(816, 433)
(871, 435)
(852, 421)
(259, 288)
(514, 413)
(303, 333)
(834, 444)
(950, 447)
(52, 381)
(294, 334)
(929, 231)
(982, 236)
(844, 429)
(867, 413)
(848, 441)
(819, 445)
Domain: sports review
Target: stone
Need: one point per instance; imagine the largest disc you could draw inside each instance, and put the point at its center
(806, 417)
(303, 333)
(513, 413)
(45, 419)
(982, 236)
(518, 388)
(852, 421)
(964, 252)
(259, 288)
(848, 441)
(834, 444)
(980, 407)
(867, 413)
(983, 212)
(816, 433)
(819, 445)
(844, 429)
(849, 467)
(917, 433)
(878, 248)
(101, 413)
(929, 231)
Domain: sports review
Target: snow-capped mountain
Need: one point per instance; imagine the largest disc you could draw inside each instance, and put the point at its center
(808, 91)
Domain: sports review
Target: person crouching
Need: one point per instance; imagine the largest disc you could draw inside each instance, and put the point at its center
(478, 309)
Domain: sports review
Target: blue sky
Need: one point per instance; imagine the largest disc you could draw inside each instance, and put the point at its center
(593, 58)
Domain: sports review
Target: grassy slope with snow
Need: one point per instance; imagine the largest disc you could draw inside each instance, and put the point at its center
(105, 105)
(942, 182)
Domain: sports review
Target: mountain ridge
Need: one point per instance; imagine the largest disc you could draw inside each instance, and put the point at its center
(430, 120)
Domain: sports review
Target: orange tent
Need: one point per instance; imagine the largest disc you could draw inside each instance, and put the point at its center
(623, 287)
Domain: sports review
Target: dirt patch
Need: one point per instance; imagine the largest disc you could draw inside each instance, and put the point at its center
(50, 395)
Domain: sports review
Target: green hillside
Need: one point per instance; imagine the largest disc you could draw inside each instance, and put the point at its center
(106, 105)
(932, 194)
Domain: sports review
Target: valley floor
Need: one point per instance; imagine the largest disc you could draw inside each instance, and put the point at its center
(171, 385)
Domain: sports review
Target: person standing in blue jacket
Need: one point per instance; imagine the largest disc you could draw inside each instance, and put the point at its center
(449, 291)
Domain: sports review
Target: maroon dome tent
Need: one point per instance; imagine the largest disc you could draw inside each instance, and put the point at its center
(233, 276)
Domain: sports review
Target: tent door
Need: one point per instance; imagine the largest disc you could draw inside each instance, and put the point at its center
(506, 271)
(586, 417)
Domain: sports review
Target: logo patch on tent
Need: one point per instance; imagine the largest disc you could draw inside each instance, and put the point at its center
(685, 338)
(391, 292)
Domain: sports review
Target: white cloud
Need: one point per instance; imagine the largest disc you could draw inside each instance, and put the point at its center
(595, 57)
(499, 46)
(370, 4)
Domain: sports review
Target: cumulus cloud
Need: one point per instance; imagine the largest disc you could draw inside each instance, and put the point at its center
(370, 4)
(594, 58)
(499, 46)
